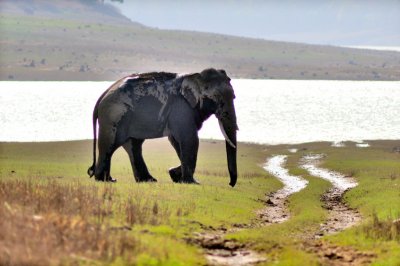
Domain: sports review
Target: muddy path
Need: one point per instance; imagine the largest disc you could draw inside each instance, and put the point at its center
(340, 217)
(220, 251)
(276, 210)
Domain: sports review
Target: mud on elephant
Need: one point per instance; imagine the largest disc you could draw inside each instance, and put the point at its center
(159, 104)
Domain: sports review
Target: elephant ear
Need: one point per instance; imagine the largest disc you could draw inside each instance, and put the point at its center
(191, 89)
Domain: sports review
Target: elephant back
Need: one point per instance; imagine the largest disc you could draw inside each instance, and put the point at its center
(157, 76)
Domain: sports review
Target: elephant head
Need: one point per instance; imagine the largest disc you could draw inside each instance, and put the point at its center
(210, 92)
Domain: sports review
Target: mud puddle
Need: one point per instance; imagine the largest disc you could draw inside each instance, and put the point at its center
(311, 164)
(220, 251)
(338, 144)
(362, 144)
(340, 215)
(276, 210)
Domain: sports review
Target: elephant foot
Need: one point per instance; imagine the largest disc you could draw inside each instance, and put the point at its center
(90, 171)
(175, 174)
(190, 181)
(148, 179)
(112, 180)
(107, 179)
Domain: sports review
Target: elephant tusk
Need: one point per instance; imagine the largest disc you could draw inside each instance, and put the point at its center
(225, 135)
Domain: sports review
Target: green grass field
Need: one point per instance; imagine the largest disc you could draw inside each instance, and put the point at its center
(51, 212)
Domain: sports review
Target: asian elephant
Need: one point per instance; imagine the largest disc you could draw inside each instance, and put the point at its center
(159, 104)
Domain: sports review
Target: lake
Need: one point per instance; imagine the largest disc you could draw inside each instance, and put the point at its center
(268, 111)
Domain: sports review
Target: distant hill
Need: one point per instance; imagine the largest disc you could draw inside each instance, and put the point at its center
(82, 10)
(87, 40)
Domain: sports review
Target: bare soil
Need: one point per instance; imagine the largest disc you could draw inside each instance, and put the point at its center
(221, 251)
(340, 216)
(332, 255)
(275, 210)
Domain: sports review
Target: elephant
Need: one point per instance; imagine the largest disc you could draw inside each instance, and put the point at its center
(161, 104)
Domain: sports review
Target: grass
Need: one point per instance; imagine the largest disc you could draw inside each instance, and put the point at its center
(48, 181)
(52, 213)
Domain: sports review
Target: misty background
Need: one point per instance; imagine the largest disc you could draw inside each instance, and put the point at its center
(326, 22)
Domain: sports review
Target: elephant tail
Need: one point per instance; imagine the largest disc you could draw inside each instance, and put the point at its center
(92, 168)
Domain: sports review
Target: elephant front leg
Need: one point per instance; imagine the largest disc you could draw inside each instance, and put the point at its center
(188, 150)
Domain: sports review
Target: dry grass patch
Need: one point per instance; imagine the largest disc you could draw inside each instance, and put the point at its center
(51, 196)
(143, 212)
(384, 229)
(27, 239)
(52, 222)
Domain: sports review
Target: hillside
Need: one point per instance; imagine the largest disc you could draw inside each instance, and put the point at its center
(81, 10)
(86, 40)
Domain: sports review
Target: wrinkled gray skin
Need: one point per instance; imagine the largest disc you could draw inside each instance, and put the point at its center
(154, 105)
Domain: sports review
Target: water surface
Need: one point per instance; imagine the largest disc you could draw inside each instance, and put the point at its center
(269, 111)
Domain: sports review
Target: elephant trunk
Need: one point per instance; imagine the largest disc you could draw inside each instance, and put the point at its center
(231, 157)
(228, 128)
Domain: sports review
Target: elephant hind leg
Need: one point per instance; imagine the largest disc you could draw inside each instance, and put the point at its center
(103, 169)
(107, 146)
(134, 149)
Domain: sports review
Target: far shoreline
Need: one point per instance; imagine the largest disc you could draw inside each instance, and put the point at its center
(233, 78)
(156, 141)
(73, 78)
